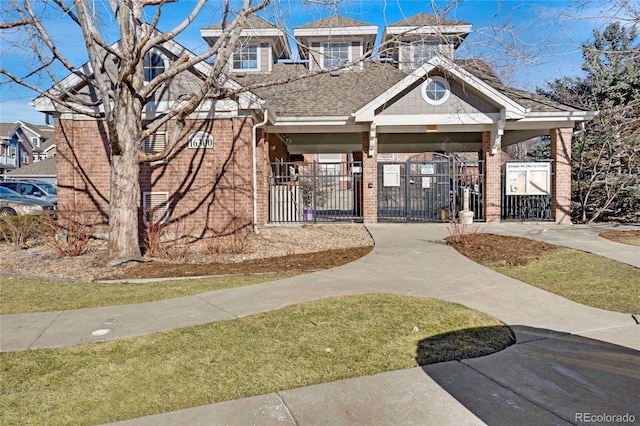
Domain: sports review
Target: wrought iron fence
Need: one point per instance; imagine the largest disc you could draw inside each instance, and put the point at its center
(315, 192)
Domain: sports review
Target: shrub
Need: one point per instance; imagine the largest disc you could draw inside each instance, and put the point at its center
(17, 230)
(73, 237)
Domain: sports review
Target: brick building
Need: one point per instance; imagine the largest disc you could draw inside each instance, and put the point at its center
(414, 98)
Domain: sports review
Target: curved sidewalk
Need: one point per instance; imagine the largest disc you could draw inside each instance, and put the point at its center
(569, 358)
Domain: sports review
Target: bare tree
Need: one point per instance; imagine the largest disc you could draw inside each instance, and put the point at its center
(116, 76)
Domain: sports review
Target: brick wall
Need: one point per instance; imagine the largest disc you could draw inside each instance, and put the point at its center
(369, 177)
(561, 181)
(493, 180)
(209, 189)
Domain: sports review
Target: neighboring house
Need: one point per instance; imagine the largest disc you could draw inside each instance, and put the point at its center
(37, 139)
(43, 170)
(8, 150)
(24, 143)
(416, 99)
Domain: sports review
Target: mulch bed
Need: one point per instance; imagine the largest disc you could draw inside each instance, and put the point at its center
(306, 262)
(490, 248)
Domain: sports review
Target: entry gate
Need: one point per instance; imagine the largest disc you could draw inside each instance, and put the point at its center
(429, 187)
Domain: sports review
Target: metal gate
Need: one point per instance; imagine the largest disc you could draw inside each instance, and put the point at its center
(429, 187)
(315, 192)
(418, 190)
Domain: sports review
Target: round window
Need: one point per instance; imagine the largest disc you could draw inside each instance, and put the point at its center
(436, 90)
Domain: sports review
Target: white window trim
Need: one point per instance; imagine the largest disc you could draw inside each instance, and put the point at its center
(423, 90)
(414, 44)
(165, 61)
(258, 58)
(322, 52)
(147, 201)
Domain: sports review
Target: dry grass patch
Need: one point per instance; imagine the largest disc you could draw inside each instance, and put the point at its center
(582, 277)
(25, 295)
(300, 345)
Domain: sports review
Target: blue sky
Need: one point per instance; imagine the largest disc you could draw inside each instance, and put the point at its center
(529, 42)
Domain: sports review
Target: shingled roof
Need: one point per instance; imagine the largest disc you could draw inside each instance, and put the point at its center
(426, 20)
(532, 101)
(335, 94)
(334, 21)
(43, 168)
(6, 129)
(341, 94)
(254, 22)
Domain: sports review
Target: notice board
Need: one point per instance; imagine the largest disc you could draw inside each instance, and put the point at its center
(528, 179)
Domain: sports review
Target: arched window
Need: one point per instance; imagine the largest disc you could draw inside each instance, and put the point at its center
(153, 66)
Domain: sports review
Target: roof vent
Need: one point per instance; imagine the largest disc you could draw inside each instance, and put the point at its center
(334, 73)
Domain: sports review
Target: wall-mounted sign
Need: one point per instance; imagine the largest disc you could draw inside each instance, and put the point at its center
(201, 140)
(428, 169)
(528, 179)
(391, 175)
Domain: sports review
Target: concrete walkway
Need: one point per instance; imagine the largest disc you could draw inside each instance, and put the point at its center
(569, 359)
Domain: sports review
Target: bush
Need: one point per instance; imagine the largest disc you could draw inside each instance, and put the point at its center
(74, 236)
(17, 230)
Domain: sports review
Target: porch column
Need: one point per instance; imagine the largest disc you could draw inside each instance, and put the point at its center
(561, 179)
(492, 156)
(369, 177)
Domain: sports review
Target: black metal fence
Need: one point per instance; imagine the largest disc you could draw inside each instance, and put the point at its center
(315, 192)
(527, 207)
(469, 187)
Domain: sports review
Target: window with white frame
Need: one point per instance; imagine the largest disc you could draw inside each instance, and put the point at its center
(24, 157)
(35, 141)
(153, 66)
(423, 51)
(155, 143)
(335, 54)
(245, 58)
(436, 90)
(155, 207)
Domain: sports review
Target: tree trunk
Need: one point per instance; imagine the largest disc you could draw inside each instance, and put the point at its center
(124, 241)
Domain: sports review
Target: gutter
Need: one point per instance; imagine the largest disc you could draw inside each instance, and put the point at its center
(254, 172)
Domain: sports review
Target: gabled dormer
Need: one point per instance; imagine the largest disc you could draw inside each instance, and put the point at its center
(261, 44)
(413, 41)
(332, 42)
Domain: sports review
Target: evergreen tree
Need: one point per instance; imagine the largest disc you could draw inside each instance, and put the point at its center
(606, 166)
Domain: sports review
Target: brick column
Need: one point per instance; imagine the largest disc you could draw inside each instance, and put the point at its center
(369, 181)
(561, 179)
(492, 180)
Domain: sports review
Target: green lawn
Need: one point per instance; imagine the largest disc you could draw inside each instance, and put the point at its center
(299, 345)
(582, 277)
(23, 295)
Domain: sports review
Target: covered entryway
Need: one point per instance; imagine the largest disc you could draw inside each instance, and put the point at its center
(429, 187)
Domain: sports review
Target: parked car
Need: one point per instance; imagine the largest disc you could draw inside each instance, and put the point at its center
(13, 204)
(33, 189)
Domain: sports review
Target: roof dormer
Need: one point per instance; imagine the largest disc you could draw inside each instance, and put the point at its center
(413, 41)
(261, 44)
(332, 42)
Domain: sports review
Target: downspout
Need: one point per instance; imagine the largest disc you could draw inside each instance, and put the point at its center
(254, 171)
